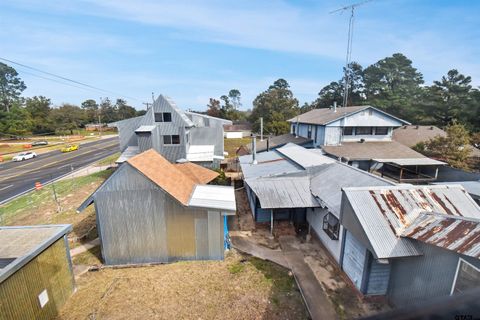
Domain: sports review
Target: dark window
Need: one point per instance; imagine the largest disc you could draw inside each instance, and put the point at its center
(293, 129)
(167, 139)
(163, 117)
(309, 132)
(331, 226)
(348, 131)
(362, 131)
(167, 117)
(381, 131)
(176, 139)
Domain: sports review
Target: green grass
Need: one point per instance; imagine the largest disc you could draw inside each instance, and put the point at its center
(231, 145)
(236, 268)
(108, 160)
(277, 275)
(44, 197)
(92, 256)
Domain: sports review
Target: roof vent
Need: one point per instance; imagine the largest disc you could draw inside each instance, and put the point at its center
(416, 127)
(362, 140)
(431, 128)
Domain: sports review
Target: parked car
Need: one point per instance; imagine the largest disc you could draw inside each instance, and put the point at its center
(24, 156)
(70, 147)
(39, 143)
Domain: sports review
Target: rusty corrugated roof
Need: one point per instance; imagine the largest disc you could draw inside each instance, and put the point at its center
(385, 212)
(166, 175)
(449, 232)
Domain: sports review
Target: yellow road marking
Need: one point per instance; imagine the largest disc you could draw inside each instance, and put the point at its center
(52, 163)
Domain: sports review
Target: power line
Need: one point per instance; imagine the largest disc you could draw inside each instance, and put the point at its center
(68, 79)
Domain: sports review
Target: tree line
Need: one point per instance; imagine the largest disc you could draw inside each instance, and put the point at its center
(37, 115)
(391, 84)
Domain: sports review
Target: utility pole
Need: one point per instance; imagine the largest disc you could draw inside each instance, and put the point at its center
(349, 45)
(99, 119)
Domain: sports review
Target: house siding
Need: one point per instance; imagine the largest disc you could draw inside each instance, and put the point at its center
(378, 277)
(50, 270)
(140, 223)
(315, 219)
(332, 136)
(415, 279)
(353, 262)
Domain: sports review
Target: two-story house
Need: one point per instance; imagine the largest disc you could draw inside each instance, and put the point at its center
(362, 137)
(177, 135)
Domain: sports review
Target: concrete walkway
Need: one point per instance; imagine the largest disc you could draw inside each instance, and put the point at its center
(243, 244)
(318, 304)
(85, 247)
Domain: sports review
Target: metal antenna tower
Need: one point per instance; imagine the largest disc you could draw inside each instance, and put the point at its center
(349, 45)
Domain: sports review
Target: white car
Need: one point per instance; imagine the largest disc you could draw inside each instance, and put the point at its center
(24, 156)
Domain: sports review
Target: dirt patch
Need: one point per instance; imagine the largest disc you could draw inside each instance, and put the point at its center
(188, 290)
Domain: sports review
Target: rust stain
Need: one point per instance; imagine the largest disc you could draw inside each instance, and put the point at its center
(269, 161)
(395, 206)
(454, 207)
(474, 239)
(374, 196)
(441, 203)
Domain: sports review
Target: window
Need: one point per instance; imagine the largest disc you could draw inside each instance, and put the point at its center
(381, 131)
(309, 132)
(348, 131)
(466, 278)
(293, 129)
(362, 131)
(173, 139)
(163, 117)
(331, 226)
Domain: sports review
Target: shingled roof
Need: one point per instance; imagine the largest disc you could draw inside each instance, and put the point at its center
(174, 179)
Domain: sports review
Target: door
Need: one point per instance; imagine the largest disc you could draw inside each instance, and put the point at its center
(354, 259)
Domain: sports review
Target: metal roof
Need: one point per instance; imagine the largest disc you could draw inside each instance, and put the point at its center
(191, 115)
(214, 197)
(283, 192)
(327, 184)
(24, 243)
(131, 151)
(385, 212)
(269, 164)
(145, 128)
(162, 100)
(201, 153)
(412, 162)
(278, 141)
(472, 187)
(325, 116)
(304, 157)
(449, 232)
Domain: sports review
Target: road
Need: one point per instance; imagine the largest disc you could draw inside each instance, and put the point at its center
(18, 177)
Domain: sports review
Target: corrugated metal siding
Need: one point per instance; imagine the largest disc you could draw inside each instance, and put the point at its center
(215, 235)
(416, 279)
(51, 271)
(354, 259)
(208, 136)
(144, 141)
(315, 219)
(140, 223)
(126, 131)
(176, 127)
(378, 278)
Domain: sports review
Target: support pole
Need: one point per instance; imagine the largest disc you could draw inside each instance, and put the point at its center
(271, 221)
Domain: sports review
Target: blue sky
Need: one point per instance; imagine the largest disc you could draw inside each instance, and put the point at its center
(194, 50)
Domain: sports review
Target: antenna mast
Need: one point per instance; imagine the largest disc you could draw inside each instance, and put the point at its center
(349, 45)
